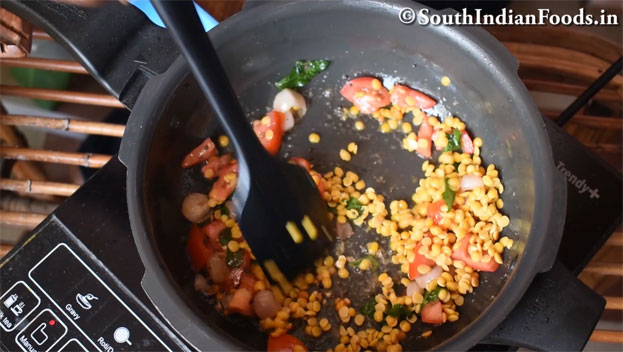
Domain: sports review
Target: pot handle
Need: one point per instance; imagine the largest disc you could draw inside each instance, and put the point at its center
(115, 42)
(557, 313)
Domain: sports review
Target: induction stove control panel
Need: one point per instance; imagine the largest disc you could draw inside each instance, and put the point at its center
(53, 297)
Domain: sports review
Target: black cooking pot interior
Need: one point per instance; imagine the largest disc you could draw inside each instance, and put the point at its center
(359, 39)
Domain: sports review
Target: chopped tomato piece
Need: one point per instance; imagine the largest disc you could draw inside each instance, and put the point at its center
(226, 183)
(405, 97)
(461, 253)
(284, 343)
(213, 230)
(320, 182)
(366, 94)
(434, 211)
(241, 302)
(200, 154)
(467, 145)
(425, 133)
(215, 165)
(301, 162)
(270, 131)
(419, 259)
(432, 313)
(247, 281)
(198, 252)
(314, 174)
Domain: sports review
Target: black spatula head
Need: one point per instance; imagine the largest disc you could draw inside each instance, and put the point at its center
(284, 218)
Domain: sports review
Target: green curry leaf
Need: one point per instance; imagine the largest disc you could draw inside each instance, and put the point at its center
(302, 73)
(448, 195)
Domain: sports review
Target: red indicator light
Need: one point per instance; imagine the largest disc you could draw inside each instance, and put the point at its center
(52, 322)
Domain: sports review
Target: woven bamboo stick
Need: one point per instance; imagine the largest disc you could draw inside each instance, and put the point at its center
(16, 203)
(38, 187)
(61, 95)
(570, 89)
(614, 269)
(45, 64)
(614, 303)
(607, 336)
(27, 220)
(88, 127)
(49, 156)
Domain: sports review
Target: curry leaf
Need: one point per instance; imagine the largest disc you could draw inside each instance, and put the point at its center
(224, 236)
(223, 208)
(371, 258)
(448, 195)
(234, 259)
(353, 203)
(367, 308)
(431, 296)
(454, 141)
(302, 73)
(399, 311)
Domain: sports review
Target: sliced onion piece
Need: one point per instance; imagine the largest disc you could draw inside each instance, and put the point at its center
(265, 305)
(288, 121)
(344, 231)
(218, 268)
(469, 182)
(423, 280)
(288, 99)
(195, 207)
(412, 288)
(201, 285)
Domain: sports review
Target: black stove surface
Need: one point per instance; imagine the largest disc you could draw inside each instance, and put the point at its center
(74, 283)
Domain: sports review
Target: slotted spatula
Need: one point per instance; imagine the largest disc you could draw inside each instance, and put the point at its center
(283, 216)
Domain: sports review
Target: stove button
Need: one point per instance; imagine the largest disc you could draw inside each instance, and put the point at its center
(73, 345)
(16, 304)
(42, 333)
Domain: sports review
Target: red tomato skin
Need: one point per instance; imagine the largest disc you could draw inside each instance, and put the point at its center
(419, 259)
(425, 132)
(432, 313)
(283, 343)
(467, 145)
(301, 162)
(198, 252)
(247, 281)
(240, 302)
(461, 253)
(400, 93)
(221, 189)
(434, 211)
(200, 154)
(276, 125)
(360, 92)
(213, 230)
(307, 166)
(215, 164)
